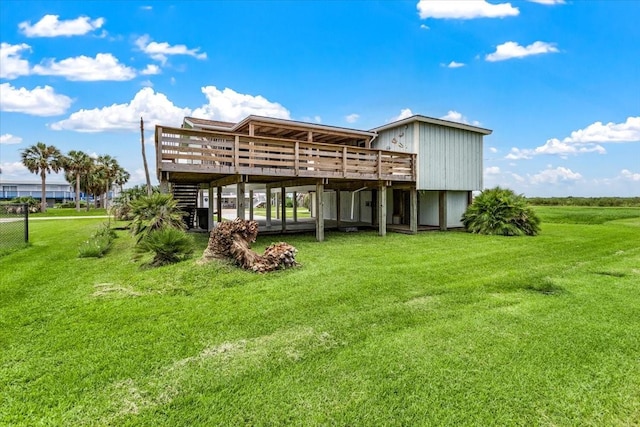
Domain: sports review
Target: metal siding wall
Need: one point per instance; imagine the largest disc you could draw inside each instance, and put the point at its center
(456, 206)
(403, 143)
(449, 159)
(429, 204)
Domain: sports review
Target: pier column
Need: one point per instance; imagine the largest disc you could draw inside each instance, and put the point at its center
(382, 209)
(320, 211)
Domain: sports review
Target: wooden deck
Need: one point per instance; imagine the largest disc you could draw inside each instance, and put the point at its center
(185, 155)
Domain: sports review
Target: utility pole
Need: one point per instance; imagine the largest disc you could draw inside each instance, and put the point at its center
(144, 158)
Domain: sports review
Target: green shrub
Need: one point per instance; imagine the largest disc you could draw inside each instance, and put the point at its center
(501, 211)
(169, 245)
(155, 212)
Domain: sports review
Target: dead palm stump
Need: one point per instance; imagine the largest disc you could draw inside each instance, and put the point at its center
(232, 240)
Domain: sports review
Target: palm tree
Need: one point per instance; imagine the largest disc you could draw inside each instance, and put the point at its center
(122, 177)
(110, 168)
(77, 164)
(42, 159)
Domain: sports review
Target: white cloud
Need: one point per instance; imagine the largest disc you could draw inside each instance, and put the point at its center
(629, 131)
(553, 176)
(454, 64)
(493, 149)
(154, 107)
(548, 2)
(160, 51)
(510, 50)
(630, 176)
(11, 63)
(229, 105)
(424, 27)
(146, 7)
(7, 138)
(13, 169)
(404, 113)
(41, 101)
(584, 140)
(50, 26)
(152, 69)
(492, 170)
(83, 68)
(146, 83)
(519, 154)
(352, 118)
(464, 9)
(454, 116)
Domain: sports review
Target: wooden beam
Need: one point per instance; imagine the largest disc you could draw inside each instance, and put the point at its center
(413, 211)
(382, 210)
(283, 215)
(240, 203)
(268, 206)
(228, 180)
(295, 206)
(250, 205)
(210, 210)
(338, 208)
(320, 211)
(292, 183)
(442, 210)
(219, 203)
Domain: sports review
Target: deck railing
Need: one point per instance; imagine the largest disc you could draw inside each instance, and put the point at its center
(186, 150)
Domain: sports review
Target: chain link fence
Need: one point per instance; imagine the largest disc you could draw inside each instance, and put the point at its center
(14, 226)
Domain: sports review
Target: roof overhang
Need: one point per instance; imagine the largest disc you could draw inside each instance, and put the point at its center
(286, 129)
(433, 121)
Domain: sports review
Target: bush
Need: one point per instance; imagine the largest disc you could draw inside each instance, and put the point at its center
(155, 212)
(169, 245)
(501, 211)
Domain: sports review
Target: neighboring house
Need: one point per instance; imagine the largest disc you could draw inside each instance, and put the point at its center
(412, 174)
(55, 192)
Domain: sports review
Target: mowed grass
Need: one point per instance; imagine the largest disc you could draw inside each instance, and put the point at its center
(432, 329)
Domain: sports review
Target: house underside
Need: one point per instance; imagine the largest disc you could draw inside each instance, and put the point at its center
(351, 185)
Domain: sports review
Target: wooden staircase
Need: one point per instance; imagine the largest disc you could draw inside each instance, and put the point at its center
(186, 196)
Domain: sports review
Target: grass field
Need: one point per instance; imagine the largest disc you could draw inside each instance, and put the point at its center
(432, 329)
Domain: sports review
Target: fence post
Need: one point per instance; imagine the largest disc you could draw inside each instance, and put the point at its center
(26, 223)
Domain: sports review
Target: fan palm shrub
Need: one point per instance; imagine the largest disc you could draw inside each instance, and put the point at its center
(169, 245)
(154, 212)
(501, 211)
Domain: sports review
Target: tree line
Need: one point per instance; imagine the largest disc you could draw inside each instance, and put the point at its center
(585, 201)
(93, 176)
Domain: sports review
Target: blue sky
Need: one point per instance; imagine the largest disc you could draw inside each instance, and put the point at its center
(557, 81)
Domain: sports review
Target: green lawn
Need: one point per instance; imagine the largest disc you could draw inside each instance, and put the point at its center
(57, 212)
(302, 212)
(432, 329)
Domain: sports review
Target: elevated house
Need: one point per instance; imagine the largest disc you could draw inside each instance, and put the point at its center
(412, 174)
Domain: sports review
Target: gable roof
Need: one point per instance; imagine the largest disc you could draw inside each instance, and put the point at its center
(433, 121)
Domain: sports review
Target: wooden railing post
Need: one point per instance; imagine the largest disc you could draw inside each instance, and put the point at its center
(236, 153)
(379, 164)
(344, 161)
(296, 158)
